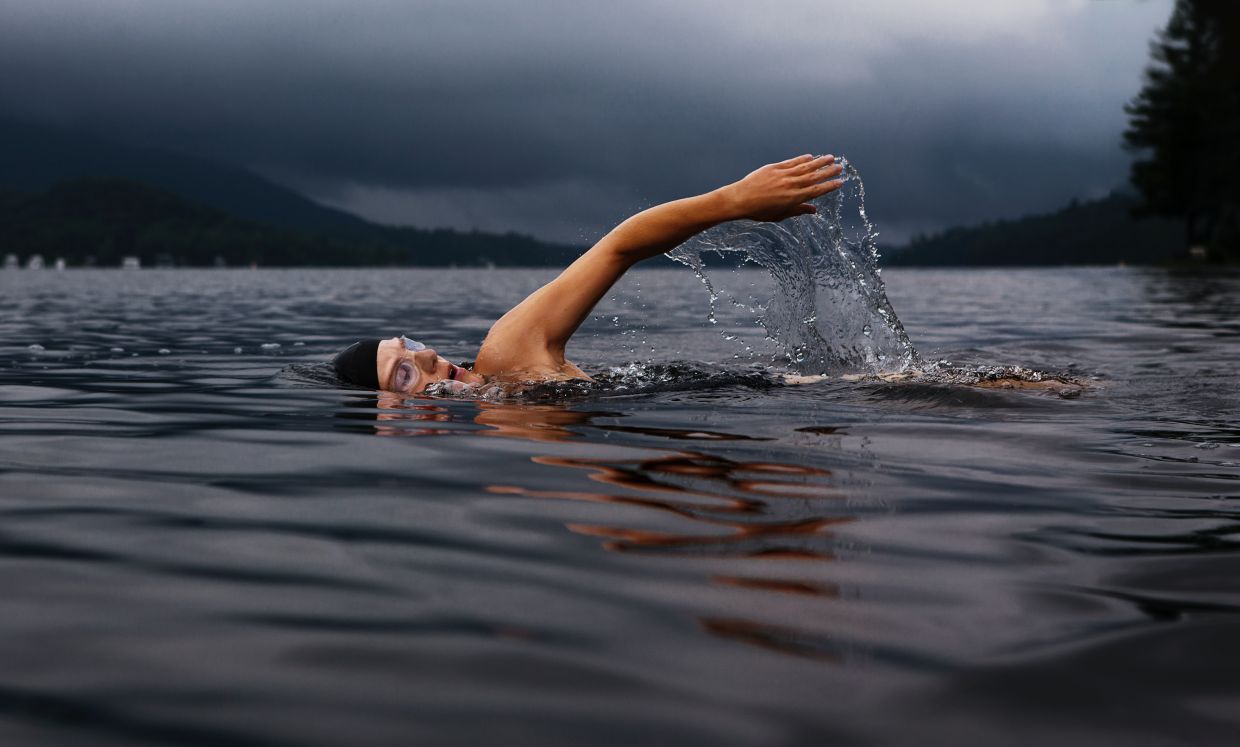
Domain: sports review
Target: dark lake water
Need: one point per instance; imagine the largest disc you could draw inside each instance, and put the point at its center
(200, 544)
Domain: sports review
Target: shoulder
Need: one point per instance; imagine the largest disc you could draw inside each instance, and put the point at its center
(508, 348)
(524, 363)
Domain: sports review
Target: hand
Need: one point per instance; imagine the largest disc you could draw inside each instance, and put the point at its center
(781, 190)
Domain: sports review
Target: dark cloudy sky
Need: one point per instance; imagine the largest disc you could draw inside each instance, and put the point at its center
(559, 117)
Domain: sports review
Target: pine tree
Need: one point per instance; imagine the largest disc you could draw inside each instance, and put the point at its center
(1186, 122)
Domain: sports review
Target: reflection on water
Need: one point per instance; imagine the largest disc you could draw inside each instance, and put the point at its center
(732, 509)
(1194, 300)
(711, 491)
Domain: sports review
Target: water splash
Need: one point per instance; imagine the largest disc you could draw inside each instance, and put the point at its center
(829, 312)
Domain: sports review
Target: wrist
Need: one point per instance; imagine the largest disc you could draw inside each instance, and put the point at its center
(727, 203)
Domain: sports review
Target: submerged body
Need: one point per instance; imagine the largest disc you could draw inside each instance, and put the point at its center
(528, 343)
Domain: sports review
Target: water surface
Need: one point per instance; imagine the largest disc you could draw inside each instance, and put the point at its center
(200, 543)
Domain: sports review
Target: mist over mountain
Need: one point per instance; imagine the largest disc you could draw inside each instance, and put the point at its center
(62, 186)
(34, 158)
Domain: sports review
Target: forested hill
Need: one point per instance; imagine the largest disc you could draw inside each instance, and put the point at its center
(58, 187)
(1094, 232)
(100, 221)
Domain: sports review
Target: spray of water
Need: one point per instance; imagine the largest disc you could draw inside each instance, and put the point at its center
(829, 311)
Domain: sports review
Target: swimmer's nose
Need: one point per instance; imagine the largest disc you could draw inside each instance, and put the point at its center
(426, 359)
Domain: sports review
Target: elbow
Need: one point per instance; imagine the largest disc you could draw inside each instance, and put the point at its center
(618, 251)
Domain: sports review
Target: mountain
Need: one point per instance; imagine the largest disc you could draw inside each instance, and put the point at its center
(33, 159)
(1083, 233)
(37, 159)
(100, 221)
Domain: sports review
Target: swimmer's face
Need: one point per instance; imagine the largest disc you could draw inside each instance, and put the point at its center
(409, 371)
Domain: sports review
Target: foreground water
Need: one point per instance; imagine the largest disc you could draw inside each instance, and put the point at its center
(201, 544)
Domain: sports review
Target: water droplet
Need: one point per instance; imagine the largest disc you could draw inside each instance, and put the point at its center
(237, 350)
(116, 350)
(164, 351)
(270, 346)
(35, 348)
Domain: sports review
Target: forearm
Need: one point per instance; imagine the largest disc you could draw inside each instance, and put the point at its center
(665, 227)
(772, 193)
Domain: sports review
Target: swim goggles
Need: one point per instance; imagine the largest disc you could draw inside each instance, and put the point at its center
(406, 376)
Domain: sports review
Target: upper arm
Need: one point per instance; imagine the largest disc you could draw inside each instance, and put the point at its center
(535, 332)
(542, 324)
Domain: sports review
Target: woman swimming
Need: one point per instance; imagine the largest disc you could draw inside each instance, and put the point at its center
(527, 343)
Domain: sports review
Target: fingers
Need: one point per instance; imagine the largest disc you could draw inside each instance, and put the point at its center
(820, 174)
(813, 164)
(795, 161)
(818, 190)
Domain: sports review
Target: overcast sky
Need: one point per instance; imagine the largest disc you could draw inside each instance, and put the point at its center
(558, 118)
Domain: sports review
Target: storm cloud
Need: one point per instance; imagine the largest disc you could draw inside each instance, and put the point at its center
(558, 118)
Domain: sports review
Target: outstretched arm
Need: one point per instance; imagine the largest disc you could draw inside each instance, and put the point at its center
(535, 332)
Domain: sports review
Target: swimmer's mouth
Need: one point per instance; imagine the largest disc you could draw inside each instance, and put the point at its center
(452, 372)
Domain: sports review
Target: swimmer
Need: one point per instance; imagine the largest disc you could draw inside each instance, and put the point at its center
(527, 344)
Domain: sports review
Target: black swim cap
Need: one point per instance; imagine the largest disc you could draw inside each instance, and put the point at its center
(358, 364)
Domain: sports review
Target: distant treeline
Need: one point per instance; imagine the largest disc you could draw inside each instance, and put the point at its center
(1094, 232)
(99, 221)
(1184, 126)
